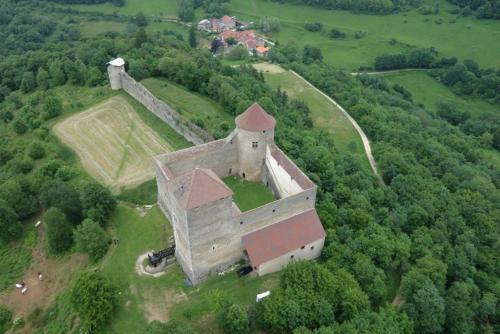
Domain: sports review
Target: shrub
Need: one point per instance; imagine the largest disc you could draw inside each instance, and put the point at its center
(97, 202)
(172, 327)
(93, 297)
(91, 238)
(232, 318)
(336, 33)
(36, 150)
(5, 319)
(52, 107)
(10, 228)
(61, 195)
(59, 231)
(316, 26)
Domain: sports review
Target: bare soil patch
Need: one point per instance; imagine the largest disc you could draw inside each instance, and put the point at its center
(158, 307)
(113, 143)
(57, 273)
(268, 68)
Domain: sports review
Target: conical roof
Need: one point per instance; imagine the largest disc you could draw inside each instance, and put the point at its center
(198, 187)
(255, 119)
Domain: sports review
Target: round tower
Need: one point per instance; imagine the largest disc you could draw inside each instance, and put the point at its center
(255, 131)
(115, 67)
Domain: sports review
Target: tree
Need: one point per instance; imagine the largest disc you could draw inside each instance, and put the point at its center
(311, 54)
(59, 231)
(233, 318)
(18, 195)
(36, 150)
(97, 202)
(141, 20)
(186, 11)
(92, 239)
(52, 107)
(5, 319)
(63, 196)
(28, 82)
(57, 75)
(10, 228)
(192, 36)
(140, 38)
(426, 308)
(93, 297)
(337, 33)
(42, 78)
(270, 24)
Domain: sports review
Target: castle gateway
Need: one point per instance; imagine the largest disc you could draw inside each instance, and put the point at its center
(210, 231)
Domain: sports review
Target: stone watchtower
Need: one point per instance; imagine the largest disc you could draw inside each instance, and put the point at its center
(255, 131)
(115, 68)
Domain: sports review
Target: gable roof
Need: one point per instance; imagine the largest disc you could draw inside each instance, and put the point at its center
(255, 119)
(281, 238)
(199, 187)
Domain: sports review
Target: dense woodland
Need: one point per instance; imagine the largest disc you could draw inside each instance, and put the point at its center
(434, 223)
(360, 6)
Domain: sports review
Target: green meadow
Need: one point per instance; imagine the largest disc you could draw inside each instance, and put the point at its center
(467, 38)
(132, 7)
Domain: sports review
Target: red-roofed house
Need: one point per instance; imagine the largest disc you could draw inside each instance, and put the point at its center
(211, 233)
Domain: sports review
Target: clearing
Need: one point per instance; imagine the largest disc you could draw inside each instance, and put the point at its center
(248, 195)
(132, 7)
(113, 143)
(463, 37)
(142, 299)
(57, 274)
(325, 114)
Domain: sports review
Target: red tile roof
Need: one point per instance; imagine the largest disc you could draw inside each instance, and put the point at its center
(292, 170)
(227, 20)
(278, 239)
(199, 187)
(255, 119)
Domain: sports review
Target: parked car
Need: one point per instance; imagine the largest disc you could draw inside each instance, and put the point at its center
(245, 271)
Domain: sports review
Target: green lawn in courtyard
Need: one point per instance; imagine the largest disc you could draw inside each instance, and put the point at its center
(324, 113)
(142, 299)
(248, 195)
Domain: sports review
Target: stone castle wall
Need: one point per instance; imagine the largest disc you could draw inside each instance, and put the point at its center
(191, 132)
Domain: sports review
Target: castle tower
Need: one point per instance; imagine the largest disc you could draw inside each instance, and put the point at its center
(115, 67)
(255, 128)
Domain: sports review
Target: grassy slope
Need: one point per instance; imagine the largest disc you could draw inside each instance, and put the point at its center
(324, 113)
(248, 195)
(480, 42)
(138, 234)
(429, 92)
(92, 28)
(189, 104)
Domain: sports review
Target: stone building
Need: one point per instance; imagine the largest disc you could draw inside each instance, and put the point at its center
(210, 231)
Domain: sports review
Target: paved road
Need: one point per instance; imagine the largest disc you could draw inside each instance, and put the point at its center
(364, 138)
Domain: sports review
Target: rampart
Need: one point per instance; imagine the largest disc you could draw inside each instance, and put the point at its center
(190, 131)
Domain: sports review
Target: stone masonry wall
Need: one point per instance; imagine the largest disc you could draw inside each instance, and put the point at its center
(185, 128)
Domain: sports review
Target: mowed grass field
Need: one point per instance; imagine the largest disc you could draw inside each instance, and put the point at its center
(324, 113)
(143, 299)
(113, 143)
(191, 105)
(467, 38)
(429, 92)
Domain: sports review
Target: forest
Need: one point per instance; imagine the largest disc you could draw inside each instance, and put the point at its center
(432, 224)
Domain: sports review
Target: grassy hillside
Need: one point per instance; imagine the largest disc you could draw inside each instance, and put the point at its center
(132, 7)
(466, 38)
(194, 107)
(324, 113)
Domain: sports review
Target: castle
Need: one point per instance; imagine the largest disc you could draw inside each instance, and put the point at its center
(210, 231)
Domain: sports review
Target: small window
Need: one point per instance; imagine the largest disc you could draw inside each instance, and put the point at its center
(302, 247)
(213, 247)
(241, 222)
(274, 210)
(263, 131)
(243, 175)
(255, 268)
(307, 198)
(292, 256)
(231, 141)
(312, 247)
(255, 144)
(230, 171)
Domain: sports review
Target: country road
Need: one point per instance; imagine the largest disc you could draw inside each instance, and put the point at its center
(364, 138)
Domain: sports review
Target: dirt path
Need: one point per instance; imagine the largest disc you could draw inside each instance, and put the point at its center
(390, 71)
(57, 274)
(364, 138)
